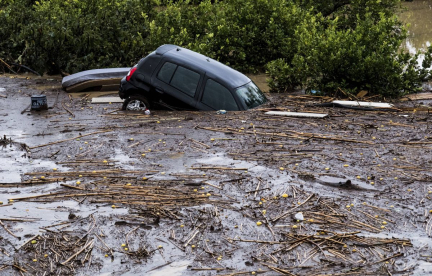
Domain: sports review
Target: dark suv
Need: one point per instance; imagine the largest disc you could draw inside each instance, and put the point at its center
(177, 78)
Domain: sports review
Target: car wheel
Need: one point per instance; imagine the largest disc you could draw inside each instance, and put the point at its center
(136, 103)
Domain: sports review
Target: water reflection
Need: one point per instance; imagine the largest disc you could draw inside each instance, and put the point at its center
(419, 16)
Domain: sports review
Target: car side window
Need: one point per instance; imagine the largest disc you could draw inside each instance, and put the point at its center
(218, 97)
(166, 72)
(185, 80)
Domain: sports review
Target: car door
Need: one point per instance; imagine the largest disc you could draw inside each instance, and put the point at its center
(215, 96)
(177, 84)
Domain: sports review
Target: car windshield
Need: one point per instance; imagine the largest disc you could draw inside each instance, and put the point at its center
(251, 95)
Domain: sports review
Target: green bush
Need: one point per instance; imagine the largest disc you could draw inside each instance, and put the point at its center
(77, 35)
(14, 16)
(367, 57)
(183, 24)
(245, 34)
(256, 32)
(317, 44)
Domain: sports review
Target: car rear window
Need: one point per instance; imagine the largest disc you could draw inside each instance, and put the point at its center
(251, 95)
(218, 97)
(185, 80)
(166, 72)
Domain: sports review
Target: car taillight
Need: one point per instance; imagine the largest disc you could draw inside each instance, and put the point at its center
(129, 75)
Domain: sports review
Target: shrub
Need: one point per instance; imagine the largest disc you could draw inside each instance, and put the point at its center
(245, 34)
(317, 44)
(76, 35)
(367, 57)
(14, 16)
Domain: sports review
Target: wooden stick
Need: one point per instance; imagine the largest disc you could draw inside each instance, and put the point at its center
(57, 142)
(133, 145)
(70, 112)
(10, 68)
(90, 150)
(36, 196)
(367, 225)
(78, 252)
(201, 144)
(57, 224)
(391, 257)
(109, 248)
(219, 168)
(29, 240)
(260, 241)
(72, 187)
(130, 232)
(257, 187)
(193, 236)
(7, 230)
(292, 209)
(206, 268)
(19, 268)
(382, 209)
(268, 226)
(377, 155)
(212, 185)
(22, 220)
(24, 110)
(282, 271)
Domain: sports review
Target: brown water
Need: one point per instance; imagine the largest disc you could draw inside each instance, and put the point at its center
(419, 16)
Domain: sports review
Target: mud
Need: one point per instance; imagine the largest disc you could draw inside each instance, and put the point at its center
(195, 193)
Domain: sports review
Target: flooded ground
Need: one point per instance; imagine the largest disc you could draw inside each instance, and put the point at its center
(89, 189)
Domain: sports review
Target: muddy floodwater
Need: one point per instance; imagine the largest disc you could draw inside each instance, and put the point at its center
(418, 15)
(90, 189)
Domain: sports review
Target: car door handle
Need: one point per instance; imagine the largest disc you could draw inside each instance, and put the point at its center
(159, 90)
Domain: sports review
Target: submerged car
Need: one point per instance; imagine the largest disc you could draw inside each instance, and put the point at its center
(177, 78)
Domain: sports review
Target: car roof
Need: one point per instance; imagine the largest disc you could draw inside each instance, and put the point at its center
(222, 72)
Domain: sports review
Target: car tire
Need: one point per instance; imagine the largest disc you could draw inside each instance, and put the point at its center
(136, 103)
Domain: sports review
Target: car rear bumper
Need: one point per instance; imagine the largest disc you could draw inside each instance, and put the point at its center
(125, 87)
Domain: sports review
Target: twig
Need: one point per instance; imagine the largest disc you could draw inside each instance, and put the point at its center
(61, 141)
(72, 187)
(109, 248)
(201, 144)
(8, 66)
(388, 258)
(193, 236)
(130, 232)
(78, 252)
(217, 187)
(282, 271)
(24, 110)
(7, 230)
(70, 112)
(257, 187)
(292, 209)
(219, 168)
(29, 240)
